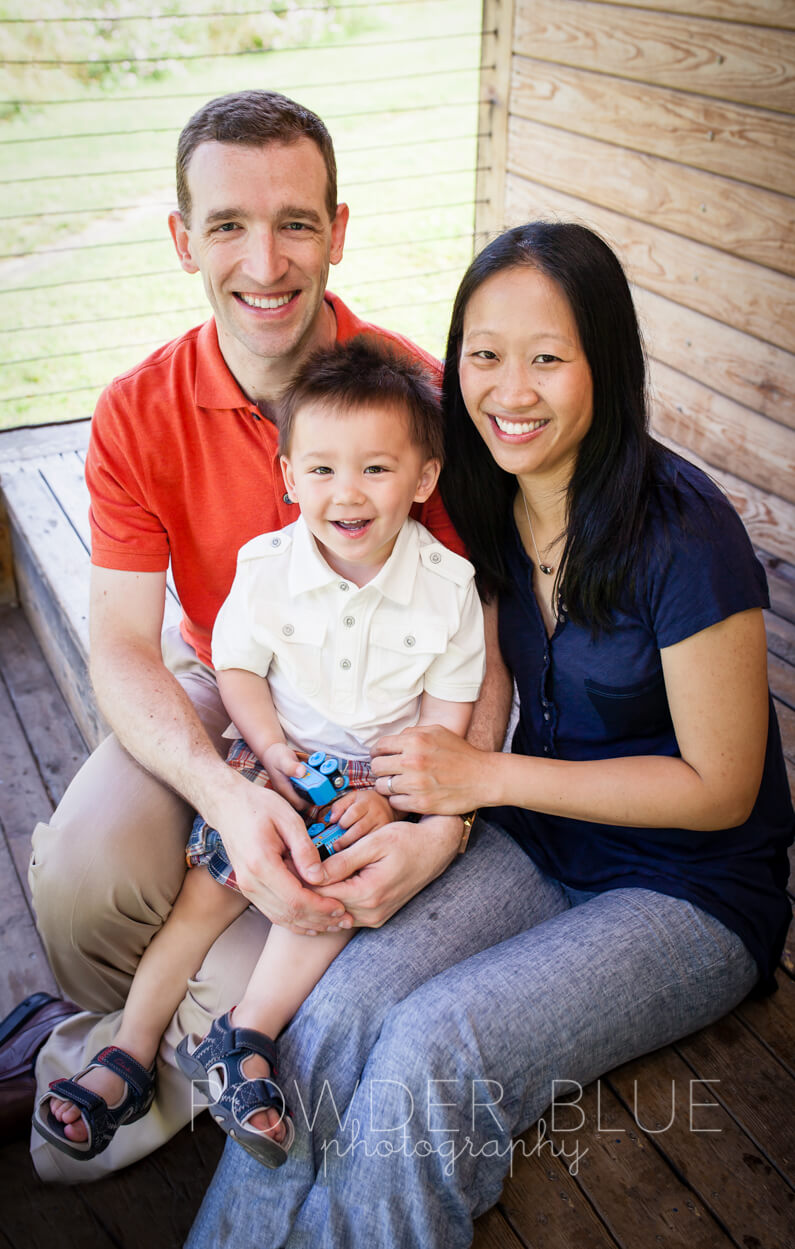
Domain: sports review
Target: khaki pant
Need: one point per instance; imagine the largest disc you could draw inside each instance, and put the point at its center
(104, 874)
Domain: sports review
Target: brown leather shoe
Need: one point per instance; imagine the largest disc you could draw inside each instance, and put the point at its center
(22, 1034)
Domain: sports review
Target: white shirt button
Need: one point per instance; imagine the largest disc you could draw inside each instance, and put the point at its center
(276, 541)
(344, 585)
(345, 664)
(409, 640)
(349, 621)
(436, 557)
(288, 630)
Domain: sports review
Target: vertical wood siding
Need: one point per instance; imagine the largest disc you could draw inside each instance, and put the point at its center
(669, 127)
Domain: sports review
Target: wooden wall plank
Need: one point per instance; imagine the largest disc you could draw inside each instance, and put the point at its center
(495, 85)
(734, 291)
(730, 139)
(718, 211)
(743, 63)
(759, 12)
(752, 373)
(770, 521)
(724, 433)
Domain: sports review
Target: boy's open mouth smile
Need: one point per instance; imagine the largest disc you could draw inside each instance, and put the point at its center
(354, 527)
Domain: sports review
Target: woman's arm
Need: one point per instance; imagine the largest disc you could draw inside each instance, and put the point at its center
(716, 683)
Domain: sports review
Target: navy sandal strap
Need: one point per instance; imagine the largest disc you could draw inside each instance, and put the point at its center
(255, 1042)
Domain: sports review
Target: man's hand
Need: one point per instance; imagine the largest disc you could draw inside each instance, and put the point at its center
(272, 855)
(380, 873)
(360, 811)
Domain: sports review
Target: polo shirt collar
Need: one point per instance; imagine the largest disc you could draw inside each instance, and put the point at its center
(309, 571)
(215, 386)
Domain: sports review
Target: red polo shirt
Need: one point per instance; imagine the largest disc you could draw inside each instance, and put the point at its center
(181, 466)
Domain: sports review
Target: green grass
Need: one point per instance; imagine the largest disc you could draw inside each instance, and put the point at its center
(93, 284)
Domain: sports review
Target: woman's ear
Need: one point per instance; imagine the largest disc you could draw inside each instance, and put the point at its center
(428, 479)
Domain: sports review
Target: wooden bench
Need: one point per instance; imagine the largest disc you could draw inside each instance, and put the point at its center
(653, 1167)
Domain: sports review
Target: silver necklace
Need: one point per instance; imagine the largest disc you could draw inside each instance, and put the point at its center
(547, 569)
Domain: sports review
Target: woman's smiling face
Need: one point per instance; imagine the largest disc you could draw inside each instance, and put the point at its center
(524, 377)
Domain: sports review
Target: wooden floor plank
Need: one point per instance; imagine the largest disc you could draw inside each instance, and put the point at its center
(635, 1193)
(772, 1021)
(750, 1083)
(493, 1232)
(52, 735)
(706, 1146)
(24, 798)
(151, 1205)
(24, 968)
(545, 1205)
(780, 636)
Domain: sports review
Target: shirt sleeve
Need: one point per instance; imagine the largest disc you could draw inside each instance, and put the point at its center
(703, 571)
(234, 641)
(456, 676)
(125, 534)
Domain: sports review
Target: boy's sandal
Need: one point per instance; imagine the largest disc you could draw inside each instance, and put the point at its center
(216, 1067)
(102, 1121)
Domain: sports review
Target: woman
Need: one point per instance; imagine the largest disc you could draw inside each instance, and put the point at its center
(628, 885)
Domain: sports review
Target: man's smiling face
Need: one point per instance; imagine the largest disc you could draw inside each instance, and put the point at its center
(261, 236)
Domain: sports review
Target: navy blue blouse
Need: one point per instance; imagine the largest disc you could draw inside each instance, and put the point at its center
(600, 698)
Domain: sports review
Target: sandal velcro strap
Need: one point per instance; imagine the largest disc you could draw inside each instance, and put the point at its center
(254, 1042)
(69, 1091)
(124, 1065)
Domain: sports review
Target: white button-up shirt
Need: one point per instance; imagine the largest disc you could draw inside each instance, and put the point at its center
(348, 664)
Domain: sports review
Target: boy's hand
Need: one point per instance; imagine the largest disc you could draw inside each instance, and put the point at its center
(281, 762)
(360, 811)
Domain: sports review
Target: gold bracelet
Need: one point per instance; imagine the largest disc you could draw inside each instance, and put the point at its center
(468, 819)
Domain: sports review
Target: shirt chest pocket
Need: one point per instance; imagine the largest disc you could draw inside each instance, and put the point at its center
(401, 652)
(639, 710)
(296, 641)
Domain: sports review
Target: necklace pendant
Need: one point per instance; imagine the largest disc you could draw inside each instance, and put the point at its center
(545, 568)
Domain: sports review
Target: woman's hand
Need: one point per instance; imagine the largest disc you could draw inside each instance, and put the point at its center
(433, 771)
(380, 873)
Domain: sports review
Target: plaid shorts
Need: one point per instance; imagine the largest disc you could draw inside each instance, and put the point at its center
(205, 847)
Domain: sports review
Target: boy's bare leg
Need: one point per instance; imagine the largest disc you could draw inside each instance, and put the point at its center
(286, 973)
(202, 911)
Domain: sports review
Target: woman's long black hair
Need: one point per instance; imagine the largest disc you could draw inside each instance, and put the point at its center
(612, 483)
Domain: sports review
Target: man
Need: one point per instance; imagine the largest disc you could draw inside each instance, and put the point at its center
(183, 464)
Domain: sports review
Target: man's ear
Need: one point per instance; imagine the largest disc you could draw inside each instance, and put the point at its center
(338, 227)
(181, 237)
(428, 479)
(288, 475)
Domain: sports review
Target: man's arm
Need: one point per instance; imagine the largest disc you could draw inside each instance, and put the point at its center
(489, 721)
(156, 723)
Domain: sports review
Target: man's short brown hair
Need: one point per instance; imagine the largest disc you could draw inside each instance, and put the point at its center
(253, 118)
(367, 372)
